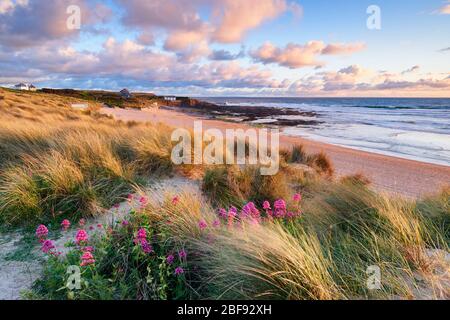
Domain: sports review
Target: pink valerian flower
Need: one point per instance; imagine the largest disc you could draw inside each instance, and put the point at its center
(250, 211)
(87, 259)
(117, 206)
(81, 237)
(143, 201)
(216, 223)
(125, 223)
(223, 213)
(291, 214)
(297, 197)
(88, 249)
(142, 234)
(48, 247)
(268, 209)
(202, 225)
(175, 200)
(41, 233)
(280, 208)
(100, 226)
(232, 212)
(82, 222)
(182, 254)
(170, 259)
(146, 247)
(141, 239)
(91, 228)
(65, 225)
(179, 271)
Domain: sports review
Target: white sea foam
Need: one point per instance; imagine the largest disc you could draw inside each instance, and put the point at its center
(417, 129)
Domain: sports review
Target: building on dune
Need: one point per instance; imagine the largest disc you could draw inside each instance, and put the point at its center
(125, 94)
(25, 87)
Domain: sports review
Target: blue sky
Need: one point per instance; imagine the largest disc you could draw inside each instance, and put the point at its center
(230, 47)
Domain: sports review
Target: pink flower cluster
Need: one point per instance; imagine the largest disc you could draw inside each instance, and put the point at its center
(141, 239)
(202, 225)
(87, 259)
(251, 212)
(179, 271)
(48, 247)
(81, 238)
(170, 259)
(143, 201)
(42, 233)
(65, 225)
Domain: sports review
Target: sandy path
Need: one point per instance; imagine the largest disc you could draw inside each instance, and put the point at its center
(394, 175)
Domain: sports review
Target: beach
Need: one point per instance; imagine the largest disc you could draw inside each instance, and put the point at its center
(396, 176)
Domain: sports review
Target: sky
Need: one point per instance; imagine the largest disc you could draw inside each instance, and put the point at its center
(322, 48)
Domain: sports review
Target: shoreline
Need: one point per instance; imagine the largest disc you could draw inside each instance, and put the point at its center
(394, 175)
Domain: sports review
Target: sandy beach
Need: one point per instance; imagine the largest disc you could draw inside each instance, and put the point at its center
(394, 175)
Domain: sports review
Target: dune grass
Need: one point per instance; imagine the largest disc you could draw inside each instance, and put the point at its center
(322, 254)
(55, 161)
(58, 163)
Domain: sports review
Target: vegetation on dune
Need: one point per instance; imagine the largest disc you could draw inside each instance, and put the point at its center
(301, 234)
(312, 248)
(56, 161)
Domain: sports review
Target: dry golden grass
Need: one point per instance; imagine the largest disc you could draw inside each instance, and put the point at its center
(323, 255)
(58, 161)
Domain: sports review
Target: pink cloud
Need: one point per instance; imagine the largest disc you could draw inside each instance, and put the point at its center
(26, 23)
(445, 9)
(235, 18)
(343, 49)
(298, 56)
(230, 19)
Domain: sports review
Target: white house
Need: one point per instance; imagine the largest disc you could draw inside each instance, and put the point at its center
(170, 98)
(25, 86)
(21, 86)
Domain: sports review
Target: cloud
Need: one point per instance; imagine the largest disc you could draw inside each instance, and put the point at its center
(422, 83)
(146, 38)
(167, 14)
(229, 20)
(224, 55)
(445, 9)
(411, 70)
(27, 23)
(296, 56)
(445, 49)
(343, 49)
(355, 80)
(292, 56)
(122, 61)
(235, 18)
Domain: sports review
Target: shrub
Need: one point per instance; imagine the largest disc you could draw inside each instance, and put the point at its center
(321, 163)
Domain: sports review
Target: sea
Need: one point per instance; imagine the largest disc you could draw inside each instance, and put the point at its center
(411, 128)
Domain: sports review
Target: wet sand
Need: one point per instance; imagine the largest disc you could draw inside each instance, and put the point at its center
(394, 175)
